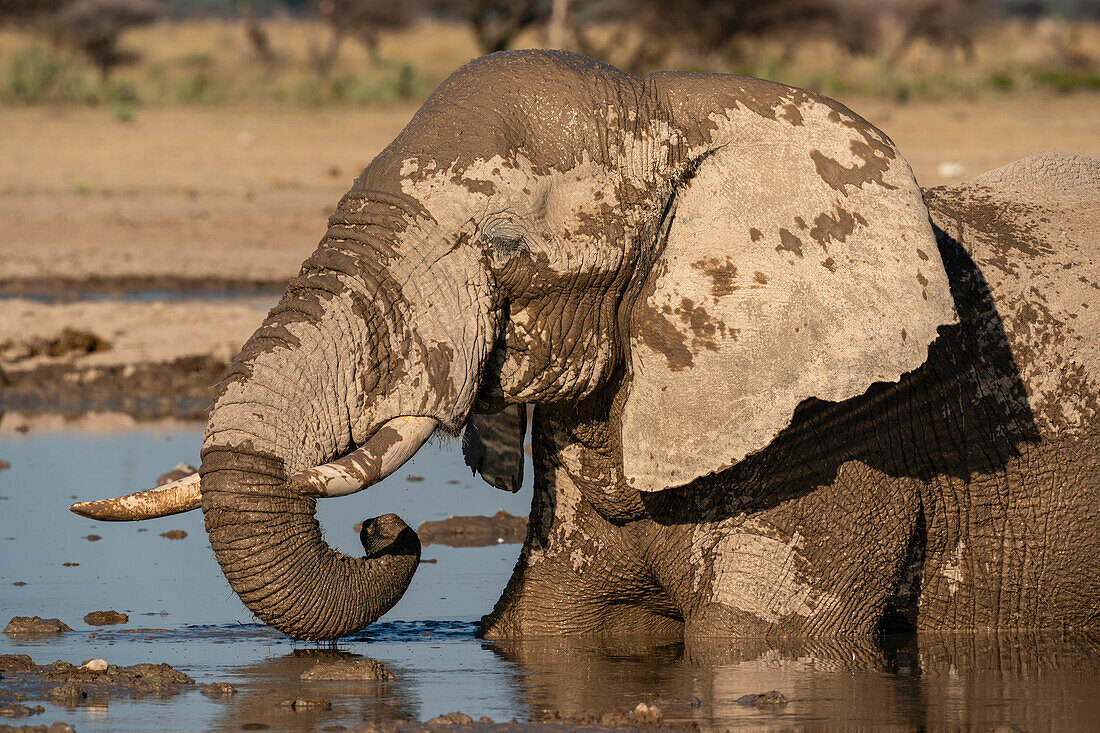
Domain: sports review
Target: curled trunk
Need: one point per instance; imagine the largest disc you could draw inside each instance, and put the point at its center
(269, 545)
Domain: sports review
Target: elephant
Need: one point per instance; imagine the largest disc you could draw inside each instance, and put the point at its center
(771, 395)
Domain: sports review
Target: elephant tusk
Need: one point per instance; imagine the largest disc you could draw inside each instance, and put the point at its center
(174, 498)
(385, 452)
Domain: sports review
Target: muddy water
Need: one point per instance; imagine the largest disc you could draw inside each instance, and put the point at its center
(182, 612)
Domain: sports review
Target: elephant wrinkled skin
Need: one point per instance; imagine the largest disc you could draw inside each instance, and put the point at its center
(770, 397)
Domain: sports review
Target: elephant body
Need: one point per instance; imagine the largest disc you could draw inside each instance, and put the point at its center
(769, 398)
(965, 496)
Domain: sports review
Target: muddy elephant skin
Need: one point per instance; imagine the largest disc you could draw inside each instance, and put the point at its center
(768, 396)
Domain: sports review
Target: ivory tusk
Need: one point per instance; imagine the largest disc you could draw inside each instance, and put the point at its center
(174, 498)
(385, 452)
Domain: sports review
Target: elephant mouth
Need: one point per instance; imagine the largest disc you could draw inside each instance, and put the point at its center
(382, 454)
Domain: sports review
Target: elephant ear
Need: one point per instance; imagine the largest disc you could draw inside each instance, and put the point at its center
(492, 445)
(798, 262)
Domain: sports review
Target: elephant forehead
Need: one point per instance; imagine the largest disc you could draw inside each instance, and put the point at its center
(559, 213)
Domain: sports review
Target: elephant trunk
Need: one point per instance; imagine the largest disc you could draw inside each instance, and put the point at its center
(269, 545)
(346, 378)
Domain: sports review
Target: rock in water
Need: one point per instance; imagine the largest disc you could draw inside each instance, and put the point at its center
(35, 626)
(769, 699)
(105, 618)
(355, 669)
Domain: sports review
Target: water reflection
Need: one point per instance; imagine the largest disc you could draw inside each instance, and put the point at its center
(1033, 681)
(267, 683)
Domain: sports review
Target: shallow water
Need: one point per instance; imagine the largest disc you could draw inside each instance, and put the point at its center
(1037, 682)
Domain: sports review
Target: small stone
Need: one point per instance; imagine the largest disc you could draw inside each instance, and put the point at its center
(414, 479)
(174, 534)
(60, 728)
(769, 699)
(105, 618)
(451, 719)
(70, 564)
(219, 689)
(93, 538)
(647, 714)
(301, 703)
(4, 465)
(33, 625)
(94, 665)
(19, 584)
(356, 669)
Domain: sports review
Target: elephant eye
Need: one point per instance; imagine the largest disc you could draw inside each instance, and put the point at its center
(505, 245)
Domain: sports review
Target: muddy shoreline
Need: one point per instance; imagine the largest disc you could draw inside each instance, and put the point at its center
(54, 289)
(75, 348)
(181, 388)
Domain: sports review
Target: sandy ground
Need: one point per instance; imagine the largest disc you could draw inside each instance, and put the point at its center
(244, 194)
(222, 198)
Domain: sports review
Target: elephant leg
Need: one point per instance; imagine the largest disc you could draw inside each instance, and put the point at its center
(825, 561)
(578, 573)
(1015, 548)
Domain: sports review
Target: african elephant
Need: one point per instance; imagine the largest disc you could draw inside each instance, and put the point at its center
(762, 405)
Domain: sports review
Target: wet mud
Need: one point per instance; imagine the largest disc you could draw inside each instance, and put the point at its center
(180, 388)
(477, 531)
(68, 685)
(643, 717)
(52, 728)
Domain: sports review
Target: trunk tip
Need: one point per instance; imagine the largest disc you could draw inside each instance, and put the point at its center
(389, 535)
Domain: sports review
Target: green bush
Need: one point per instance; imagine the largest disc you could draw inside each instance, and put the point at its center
(35, 76)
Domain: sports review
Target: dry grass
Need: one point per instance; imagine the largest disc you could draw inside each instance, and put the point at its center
(211, 62)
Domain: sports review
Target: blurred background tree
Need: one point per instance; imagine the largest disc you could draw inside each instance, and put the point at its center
(92, 27)
(495, 23)
(297, 50)
(365, 21)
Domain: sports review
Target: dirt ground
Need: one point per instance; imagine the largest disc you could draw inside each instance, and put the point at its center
(194, 193)
(224, 199)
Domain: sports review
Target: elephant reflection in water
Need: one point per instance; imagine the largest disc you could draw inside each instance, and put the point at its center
(1035, 681)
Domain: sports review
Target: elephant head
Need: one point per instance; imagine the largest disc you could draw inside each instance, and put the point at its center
(712, 249)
